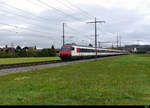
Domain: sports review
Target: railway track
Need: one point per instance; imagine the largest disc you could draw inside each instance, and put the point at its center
(19, 65)
(8, 66)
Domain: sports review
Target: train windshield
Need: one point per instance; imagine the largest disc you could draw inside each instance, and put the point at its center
(67, 49)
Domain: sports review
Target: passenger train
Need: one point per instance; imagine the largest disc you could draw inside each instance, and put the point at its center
(70, 52)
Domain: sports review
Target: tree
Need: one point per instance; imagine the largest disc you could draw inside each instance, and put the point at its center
(47, 52)
(18, 50)
(35, 47)
(30, 53)
(3, 53)
(52, 52)
(53, 47)
(90, 45)
(44, 52)
(23, 53)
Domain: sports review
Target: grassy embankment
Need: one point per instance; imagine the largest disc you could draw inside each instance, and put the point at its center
(26, 60)
(116, 81)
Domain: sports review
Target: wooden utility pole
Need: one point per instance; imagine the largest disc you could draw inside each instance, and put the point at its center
(95, 22)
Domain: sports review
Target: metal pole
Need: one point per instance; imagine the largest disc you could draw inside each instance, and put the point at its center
(120, 41)
(95, 22)
(96, 37)
(112, 45)
(63, 34)
(117, 40)
(99, 44)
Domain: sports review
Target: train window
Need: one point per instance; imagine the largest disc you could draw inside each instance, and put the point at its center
(100, 51)
(72, 48)
(80, 50)
(84, 50)
(90, 50)
(103, 51)
(67, 49)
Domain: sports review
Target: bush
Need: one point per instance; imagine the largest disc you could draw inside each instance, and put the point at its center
(47, 53)
(52, 52)
(19, 52)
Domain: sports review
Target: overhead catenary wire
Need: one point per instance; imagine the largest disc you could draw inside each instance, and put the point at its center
(58, 10)
(71, 36)
(75, 30)
(21, 10)
(73, 9)
(47, 5)
(23, 17)
(27, 12)
(29, 29)
(80, 33)
(85, 12)
(35, 33)
(51, 7)
(65, 5)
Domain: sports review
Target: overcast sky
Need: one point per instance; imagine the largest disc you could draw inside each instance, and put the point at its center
(39, 22)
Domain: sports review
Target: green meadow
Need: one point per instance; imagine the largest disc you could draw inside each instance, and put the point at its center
(121, 80)
(26, 60)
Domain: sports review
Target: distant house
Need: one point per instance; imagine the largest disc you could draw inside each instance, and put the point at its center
(38, 50)
(9, 50)
(138, 48)
(29, 48)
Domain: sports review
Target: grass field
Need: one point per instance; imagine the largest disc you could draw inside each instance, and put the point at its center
(26, 60)
(117, 81)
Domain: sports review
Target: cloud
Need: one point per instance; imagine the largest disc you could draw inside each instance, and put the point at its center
(42, 26)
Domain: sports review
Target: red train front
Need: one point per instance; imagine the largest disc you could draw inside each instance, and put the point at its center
(66, 52)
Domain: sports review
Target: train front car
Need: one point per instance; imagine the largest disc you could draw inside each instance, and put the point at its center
(66, 53)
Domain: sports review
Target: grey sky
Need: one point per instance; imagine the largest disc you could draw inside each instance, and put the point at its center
(29, 23)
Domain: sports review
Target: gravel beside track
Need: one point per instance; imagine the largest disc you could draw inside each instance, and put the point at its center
(23, 69)
(7, 66)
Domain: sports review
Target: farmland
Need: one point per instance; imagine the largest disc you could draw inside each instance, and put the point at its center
(117, 81)
(26, 60)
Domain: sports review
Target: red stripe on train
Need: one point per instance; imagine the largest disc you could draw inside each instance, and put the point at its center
(65, 52)
(77, 50)
(67, 46)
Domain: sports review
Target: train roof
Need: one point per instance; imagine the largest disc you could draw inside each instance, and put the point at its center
(91, 47)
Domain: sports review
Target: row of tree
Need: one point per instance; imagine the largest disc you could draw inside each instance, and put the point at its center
(27, 52)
